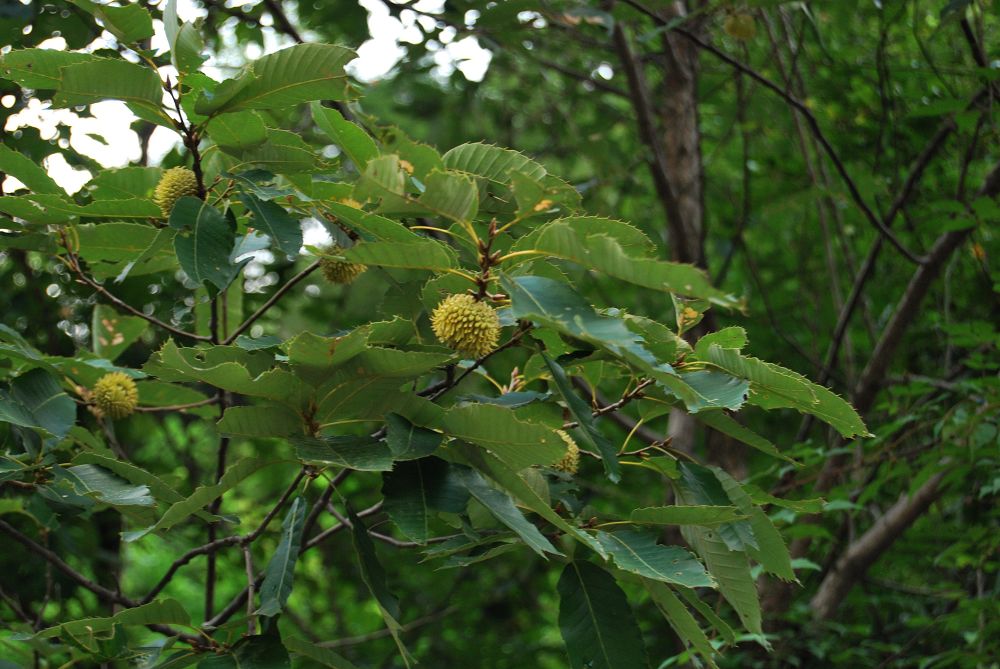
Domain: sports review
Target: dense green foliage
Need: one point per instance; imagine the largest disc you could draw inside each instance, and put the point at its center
(306, 432)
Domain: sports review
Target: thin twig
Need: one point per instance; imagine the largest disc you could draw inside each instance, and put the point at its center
(811, 121)
(278, 294)
(74, 265)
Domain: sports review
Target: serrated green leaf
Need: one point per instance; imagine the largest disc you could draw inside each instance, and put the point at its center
(295, 74)
(361, 453)
(725, 424)
(40, 68)
(350, 137)
(270, 421)
(526, 495)
(518, 443)
(605, 254)
(27, 171)
(771, 552)
(451, 195)
(415, 491)
(596, 621)
(107, 488)
(685, 515)
(202, 496)
(681, 620)
(163, 612)
(501, 506)
(408, 441)
(699, 485)
(237, 130)
(589, 433)
(109, 79)
(427, 254)
(280, 570)
(130, 24)
(204, 243)
(324, 656)
(638, 552)
(373, 576)
(284, 230)
(492, 162)
(773, 386)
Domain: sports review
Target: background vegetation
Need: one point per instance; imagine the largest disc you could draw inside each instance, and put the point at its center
(831, 163)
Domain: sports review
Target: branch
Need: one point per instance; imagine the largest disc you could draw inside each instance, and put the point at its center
(278, 294)
(57, 562)
(811, 121)
(212, 546)
(865, 550)
(626, 422)
(104, 593)
(74, 265)
(437, 390)
(909, 304)
(643, 106)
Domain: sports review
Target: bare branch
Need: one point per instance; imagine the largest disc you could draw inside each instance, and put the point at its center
(811, 121)
(864, 551)
(278, 294)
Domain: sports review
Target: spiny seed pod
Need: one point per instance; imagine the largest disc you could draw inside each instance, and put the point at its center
(115, 395)
(571, 461)
(740, 26)
(467, 325)
(339, 271)
(174, 184)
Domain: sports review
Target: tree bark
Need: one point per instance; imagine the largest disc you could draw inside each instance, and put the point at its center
(870, 546)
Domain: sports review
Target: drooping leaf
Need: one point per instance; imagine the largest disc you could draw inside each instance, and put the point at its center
(320, 654)
(280, 570)
(130, 24)
(518, 443)
(681, 620)
(591, 435)
(771, 551)
(408, 441)
(373, 575)
(284, 230)
(415, 490)
(731, 571)
(35, 400)
(350, 137)
(524, 493)
(202, 496)
(727, 425)
(699, 485)
(205, 242)
(502, 507)
(596, 621)
(163, 612)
